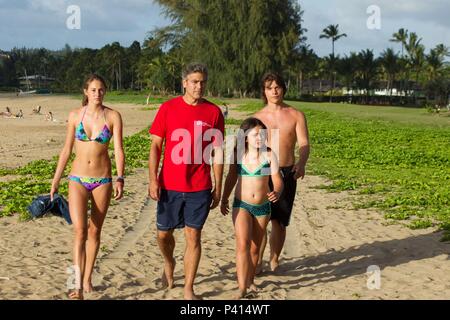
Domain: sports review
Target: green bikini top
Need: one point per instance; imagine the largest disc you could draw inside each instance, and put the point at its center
(258, 172)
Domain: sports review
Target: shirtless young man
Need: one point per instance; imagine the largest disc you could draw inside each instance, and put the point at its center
(292, 128)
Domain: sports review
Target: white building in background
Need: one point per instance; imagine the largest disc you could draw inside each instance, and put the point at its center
(379, 92)
(36, 81)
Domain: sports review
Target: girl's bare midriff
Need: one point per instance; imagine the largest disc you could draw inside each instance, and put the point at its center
(252, 190)
(91, 160)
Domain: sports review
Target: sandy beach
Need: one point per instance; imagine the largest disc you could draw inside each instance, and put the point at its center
(33, 138)
(328, 249)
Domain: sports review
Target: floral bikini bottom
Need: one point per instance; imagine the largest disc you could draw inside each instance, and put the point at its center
(90, 183)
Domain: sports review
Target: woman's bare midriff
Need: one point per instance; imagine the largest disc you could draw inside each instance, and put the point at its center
(91, 160)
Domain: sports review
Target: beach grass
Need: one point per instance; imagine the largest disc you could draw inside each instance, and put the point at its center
(35, 178)
(397, 159)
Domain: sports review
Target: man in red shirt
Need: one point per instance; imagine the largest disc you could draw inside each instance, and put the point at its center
(192, 129)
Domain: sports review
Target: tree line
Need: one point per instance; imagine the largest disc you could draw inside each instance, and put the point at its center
(239, 41)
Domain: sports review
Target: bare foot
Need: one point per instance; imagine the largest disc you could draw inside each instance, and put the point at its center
(253, 288)
(76, 295)
(167, 281)
(241, 294)
(274, 265)
(258, 268)
(88, 288)
(189, 295)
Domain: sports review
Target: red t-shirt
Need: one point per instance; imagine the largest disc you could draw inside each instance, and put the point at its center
(189, 132)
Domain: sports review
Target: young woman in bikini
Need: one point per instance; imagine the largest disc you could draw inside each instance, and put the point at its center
(251, 168)
(90, 129)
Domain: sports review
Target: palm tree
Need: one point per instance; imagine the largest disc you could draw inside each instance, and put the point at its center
(416, 54)
(332, 32)
(156, 74)
(434, 64)
(389, 62)
(305, 61)
(400, 37)
(413, 44)
(436, 61)
(367, 68)
(347, 68)
(442, 50)
(320, 72)
(330, 63)
(437, 85)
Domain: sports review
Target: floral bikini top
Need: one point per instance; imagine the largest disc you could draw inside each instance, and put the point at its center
(103, 137)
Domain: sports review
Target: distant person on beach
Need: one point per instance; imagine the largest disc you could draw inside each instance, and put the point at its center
(225, 111)
(90, 129)
(192, 129)
(291, 127)
(37, 110)
(251, 166)
(19, 114)
(6, 113)
(49, 116)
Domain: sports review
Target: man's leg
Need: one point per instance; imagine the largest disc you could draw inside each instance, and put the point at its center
(191, 260)
(281, 213)
(167, 220)
(166, 243)
(277, 238)
(195, 211)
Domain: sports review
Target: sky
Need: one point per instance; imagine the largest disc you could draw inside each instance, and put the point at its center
(368, 23)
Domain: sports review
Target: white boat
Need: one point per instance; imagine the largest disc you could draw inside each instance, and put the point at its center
(21, 92)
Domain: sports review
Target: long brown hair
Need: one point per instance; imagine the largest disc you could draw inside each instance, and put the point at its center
(87, 82)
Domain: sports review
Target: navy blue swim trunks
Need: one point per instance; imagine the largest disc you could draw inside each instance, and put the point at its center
(179, 209)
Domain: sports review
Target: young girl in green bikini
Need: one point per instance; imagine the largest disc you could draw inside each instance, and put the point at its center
(251, 168)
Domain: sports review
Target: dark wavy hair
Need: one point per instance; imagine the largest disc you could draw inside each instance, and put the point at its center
(271, 77)
(87, 82)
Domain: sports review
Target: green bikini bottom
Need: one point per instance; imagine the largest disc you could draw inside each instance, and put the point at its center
(257, 210)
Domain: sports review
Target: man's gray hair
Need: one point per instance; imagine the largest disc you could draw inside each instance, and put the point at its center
(194, 68)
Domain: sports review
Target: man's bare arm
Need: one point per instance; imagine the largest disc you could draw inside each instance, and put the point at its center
(301, 130)
(218, 155)
(154, 189)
